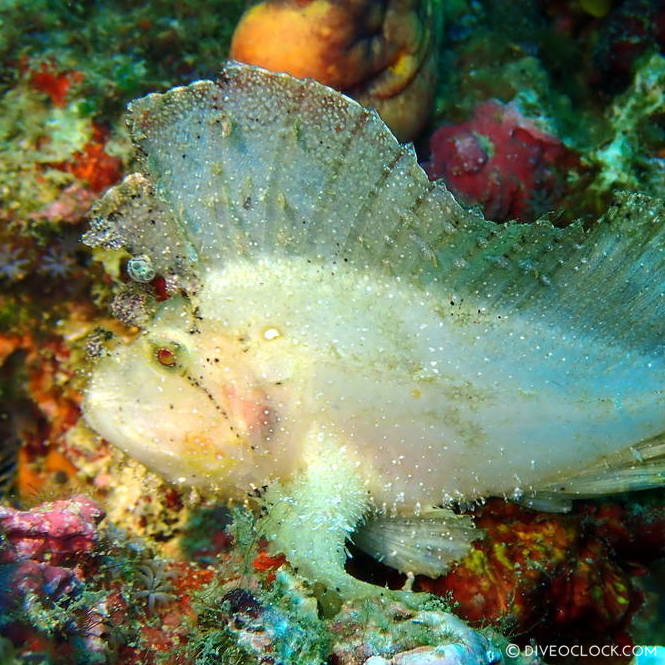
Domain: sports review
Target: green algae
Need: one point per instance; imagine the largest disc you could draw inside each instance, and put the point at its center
(242, 620)
(628, 160)
(124, 49)
(241, 627)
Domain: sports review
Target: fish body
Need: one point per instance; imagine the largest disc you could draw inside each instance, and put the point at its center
(420, 399)
(357, 342)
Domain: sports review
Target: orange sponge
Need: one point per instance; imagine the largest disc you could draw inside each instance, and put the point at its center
(383, 54)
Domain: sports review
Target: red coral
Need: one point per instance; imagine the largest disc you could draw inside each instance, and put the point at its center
(501, 160)
(505, 570)
(56, 84)
(557, 577)
(93, 164)
(265, 562)
(591, 590)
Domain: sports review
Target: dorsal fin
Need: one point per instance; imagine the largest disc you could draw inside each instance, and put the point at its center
(260, 164)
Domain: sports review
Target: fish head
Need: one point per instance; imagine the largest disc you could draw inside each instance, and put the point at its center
(183, 399)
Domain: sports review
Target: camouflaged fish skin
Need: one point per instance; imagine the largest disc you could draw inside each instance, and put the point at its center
(346, 325)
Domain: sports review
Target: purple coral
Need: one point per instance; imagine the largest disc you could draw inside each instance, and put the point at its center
(40, 573)
(54, 531)
(29, 580)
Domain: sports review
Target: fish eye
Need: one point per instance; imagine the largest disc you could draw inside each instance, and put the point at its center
(166, 357)
(168, 354)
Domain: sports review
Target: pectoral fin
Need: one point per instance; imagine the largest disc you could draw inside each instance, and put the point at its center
(638, 467)
(422, 545)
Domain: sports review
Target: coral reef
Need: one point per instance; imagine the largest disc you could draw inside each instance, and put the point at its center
(41, 395)
(42, 557)
(77, 593)
(114, 601)
(555, 61)
(66, 73)
(121, 49)
(55, 159)
(559, 577)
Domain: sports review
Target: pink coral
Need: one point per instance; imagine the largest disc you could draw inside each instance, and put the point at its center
(501, 160)
(53, 531)
(41, 552)
(70, 207)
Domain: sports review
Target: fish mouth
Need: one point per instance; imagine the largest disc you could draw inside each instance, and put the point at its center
(197, 450)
